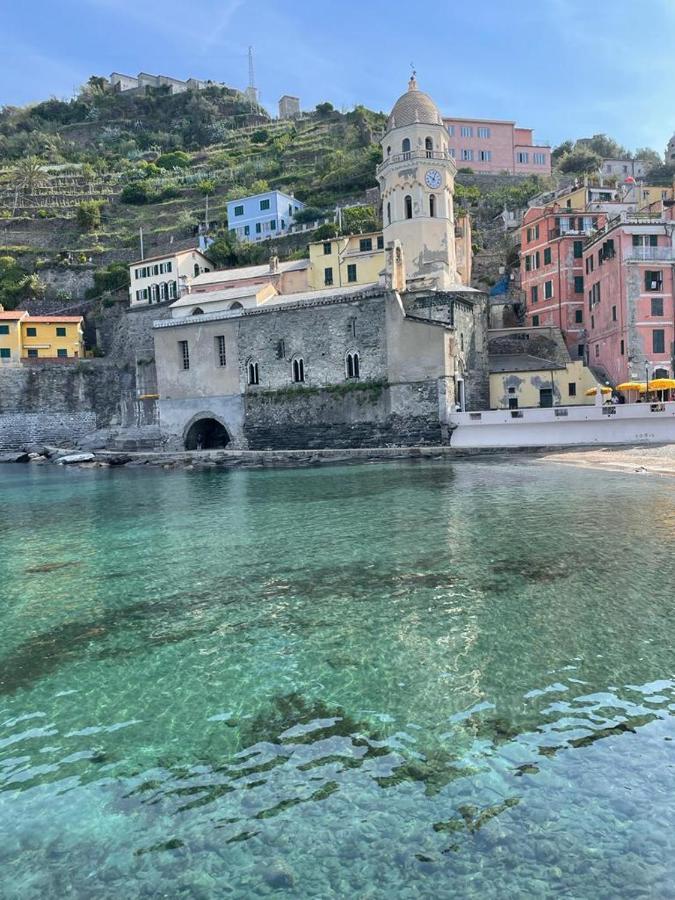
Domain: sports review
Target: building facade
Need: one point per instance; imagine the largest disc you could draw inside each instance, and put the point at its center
(630, 297)
(160, 279)
(494, 146)
(143, 80)
(623, 168)
(353, 259)
(385, 363)
(289, 107)
(24, 337)
(262, 216)
(552, 270)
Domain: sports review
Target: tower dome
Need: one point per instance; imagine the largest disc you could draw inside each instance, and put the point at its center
(413, 108)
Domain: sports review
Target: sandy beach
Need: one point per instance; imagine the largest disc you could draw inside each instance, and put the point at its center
(640, 460)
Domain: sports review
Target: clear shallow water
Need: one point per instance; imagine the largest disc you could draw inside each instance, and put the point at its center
(402, 680)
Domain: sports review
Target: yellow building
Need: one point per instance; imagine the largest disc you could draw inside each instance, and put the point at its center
(359, 258)
(23, 336)
(520, 381)
(348, 260)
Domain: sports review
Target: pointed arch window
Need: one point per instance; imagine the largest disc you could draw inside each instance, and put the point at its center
(432, 205)
(298, 369)
(352, 364)
(252, 372)
(407, 200)
(197, 311)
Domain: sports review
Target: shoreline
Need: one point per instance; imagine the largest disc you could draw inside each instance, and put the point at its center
(656, 459)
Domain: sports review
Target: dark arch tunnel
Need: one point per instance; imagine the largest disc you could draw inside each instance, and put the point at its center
(206, 434)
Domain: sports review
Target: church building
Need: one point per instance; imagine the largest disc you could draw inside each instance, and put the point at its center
(381, 364)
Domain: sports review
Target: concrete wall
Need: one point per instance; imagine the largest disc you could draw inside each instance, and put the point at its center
(566, 426)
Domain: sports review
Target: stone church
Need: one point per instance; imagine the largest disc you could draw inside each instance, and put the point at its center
(373, 365)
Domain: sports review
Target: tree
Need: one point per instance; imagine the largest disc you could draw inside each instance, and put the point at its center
(561, 150)
(324, 110)
(177, 159)
(135, 193)
(89, 215)
(325, 232)
(649, 156)
(580, 162)
(207, 186)
(663, 175)
(29, 174)
(605, 147)
(114, 277)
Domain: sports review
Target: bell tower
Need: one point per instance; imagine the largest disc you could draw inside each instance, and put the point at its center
(417, 183)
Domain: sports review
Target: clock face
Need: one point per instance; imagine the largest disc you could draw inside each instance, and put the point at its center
(433, 178)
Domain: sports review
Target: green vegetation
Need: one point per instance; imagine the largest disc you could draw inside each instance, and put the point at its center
(17, 284)
(88, 214)
(584, 156)
(114, 277)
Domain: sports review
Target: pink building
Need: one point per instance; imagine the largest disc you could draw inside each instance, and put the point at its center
(630, 296)
(489, 145)
(552, 270)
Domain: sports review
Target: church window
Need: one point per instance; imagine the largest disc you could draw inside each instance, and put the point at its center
(196, 269)
(252, 372)
(432, 205)
(221, 355)
(405, 146)
(428, 146)
(388, 213)
(298, 370)
(352, 365)
(408, 206)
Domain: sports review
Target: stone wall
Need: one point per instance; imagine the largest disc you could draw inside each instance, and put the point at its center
(344, 416)
(65, 402)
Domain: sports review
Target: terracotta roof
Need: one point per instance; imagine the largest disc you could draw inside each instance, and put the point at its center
(31, 319)
(13, 314)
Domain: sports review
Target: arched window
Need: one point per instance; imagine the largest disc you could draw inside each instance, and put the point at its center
(405, 146)
(429, 146)
(252, 372)
(162, 291)
(408, 206)
(432, 205)
(197, 311)
(352, 364)
(388, 213)
(388, 151)
(153, 293)
(236, 305)
(660, 372)
(196, 269)
(298, 369)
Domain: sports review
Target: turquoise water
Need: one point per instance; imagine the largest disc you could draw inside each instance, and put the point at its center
(397, 680)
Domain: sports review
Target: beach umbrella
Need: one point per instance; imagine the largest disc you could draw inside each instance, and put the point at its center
(661, 384)
(631, 386)
(591, 392)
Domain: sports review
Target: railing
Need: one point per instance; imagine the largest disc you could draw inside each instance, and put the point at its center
(413, 154)
(647, 254)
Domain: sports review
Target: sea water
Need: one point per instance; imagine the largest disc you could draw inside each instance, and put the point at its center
(395, 680)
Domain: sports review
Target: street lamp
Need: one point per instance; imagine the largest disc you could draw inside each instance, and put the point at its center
(646, 377)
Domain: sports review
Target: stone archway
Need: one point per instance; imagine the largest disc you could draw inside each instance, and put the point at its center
(206, 433)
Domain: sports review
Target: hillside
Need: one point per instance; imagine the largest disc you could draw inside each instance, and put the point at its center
(79, 178)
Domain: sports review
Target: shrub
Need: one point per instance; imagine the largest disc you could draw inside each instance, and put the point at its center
(43, 214)
(177, 159)
(323, 232)
(134, 193)
(207, 186)
(89, 214)
(114, 277)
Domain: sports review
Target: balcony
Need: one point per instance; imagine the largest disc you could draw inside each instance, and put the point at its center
(568, 232)
(651, 254)
(413, 155)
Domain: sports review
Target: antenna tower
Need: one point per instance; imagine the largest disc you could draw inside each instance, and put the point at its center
(252, 90)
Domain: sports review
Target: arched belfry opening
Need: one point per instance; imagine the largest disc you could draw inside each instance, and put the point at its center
(206, 434)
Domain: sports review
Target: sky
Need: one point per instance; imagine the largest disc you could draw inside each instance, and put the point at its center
(567, 68)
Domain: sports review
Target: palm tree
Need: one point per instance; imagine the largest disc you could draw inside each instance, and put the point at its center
(29, 174)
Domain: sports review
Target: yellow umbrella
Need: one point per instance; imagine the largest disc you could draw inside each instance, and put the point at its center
(662, 384)
(631, 386)
(591, 392)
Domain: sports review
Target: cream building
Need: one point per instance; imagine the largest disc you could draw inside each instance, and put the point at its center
(162, 278)
(417, 182)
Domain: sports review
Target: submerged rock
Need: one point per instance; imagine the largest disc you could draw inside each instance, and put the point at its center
(14, 457)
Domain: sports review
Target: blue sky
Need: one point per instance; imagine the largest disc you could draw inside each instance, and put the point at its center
(567, 68)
